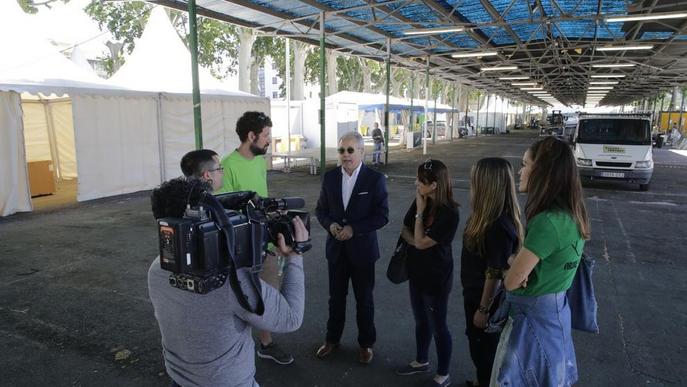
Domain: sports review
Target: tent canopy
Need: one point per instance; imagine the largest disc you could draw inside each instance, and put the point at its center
(161, 62)
(371, 102)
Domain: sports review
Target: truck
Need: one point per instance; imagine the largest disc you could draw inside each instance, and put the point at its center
(554, 124)
(614, 147)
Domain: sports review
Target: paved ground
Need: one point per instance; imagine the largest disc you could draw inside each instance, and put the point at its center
(73, 287)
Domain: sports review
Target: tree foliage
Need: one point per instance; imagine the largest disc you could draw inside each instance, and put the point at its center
(31, 6)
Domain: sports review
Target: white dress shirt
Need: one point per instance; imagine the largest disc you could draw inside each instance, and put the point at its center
(347, 184)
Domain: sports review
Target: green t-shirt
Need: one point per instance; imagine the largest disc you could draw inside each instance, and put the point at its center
(241, 174)
(554, 238)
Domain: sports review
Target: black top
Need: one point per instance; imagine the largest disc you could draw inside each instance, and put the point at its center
(500, 243)
(432, 268)
(377, 136)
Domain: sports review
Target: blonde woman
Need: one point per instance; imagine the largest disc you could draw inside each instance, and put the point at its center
(492, 234)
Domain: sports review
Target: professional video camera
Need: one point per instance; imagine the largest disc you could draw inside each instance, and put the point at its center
(224, 234)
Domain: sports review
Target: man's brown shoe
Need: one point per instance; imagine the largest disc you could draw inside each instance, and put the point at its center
(326, 349)
(366, 355)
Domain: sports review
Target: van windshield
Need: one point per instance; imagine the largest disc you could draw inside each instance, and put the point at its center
(614, 131)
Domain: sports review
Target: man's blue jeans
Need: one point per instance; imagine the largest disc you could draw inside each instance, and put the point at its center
(377, 153)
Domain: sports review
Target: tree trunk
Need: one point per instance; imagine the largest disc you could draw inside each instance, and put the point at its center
(246, 40)
(396, 81)
(300, 51)
(367, 75)
(674, 99)
(254, 84)
(331, 56)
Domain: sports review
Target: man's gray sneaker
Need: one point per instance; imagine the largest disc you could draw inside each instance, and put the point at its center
(274, 352)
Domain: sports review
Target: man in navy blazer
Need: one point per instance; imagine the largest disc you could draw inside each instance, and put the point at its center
(352, 207)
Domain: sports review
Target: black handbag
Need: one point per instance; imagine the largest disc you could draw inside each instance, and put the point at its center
(397, 272)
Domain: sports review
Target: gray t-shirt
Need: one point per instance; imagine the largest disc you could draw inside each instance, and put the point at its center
(206, 339)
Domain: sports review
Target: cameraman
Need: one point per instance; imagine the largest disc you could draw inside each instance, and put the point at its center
(206, 339)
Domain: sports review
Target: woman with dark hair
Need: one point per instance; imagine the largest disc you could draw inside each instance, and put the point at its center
(536, 345)
(493, 233)
(429, 228)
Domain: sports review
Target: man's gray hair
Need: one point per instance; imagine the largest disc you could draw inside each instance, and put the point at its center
(354, 136)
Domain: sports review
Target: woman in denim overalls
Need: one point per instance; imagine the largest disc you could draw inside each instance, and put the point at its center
(536, 347)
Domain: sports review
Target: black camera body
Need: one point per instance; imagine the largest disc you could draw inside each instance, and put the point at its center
(223, 234)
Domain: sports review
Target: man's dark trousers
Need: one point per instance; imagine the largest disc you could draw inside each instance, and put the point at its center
(362, 277)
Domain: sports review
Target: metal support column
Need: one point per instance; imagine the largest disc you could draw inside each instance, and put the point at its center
(479, 95)
(425, 127)
(467, 108)
(288, 102)
(193, 45)
(434, 122)
(412, 95)
(456, 93)
(493, 120)
(682, 109)
(386, 105)
(323, 143)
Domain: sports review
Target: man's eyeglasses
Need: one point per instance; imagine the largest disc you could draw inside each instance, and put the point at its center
(350, 150)
(216, 169)
(427, 165)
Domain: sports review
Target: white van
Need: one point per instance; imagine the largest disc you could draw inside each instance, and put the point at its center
(615, 147)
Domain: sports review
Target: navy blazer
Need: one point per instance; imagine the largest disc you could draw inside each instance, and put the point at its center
(367, 211)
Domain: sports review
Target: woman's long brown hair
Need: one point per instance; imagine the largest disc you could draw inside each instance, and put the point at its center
(554, 183)
(492, 193)
(435, 171)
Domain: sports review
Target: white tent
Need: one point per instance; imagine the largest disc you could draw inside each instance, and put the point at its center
(116, 140)
(161, 63)
(116, 143)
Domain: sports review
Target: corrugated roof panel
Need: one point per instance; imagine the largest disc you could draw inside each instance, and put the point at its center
(586, 29)
(610, 31)
(471, 10)
(497, 35)
(529, 32)
(656, 35)
(417, 12)
(360, 14)
(292, 7)
(430, 41)
(342, 4)
(516, 10)
(461, 40)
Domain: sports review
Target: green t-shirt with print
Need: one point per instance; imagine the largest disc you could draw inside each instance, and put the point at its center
(241, 174)
(554, 238)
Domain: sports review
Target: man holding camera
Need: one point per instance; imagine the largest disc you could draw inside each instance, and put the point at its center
(353, 205)
(206, 338)
(245, 169)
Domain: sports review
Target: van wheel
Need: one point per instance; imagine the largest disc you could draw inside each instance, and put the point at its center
(644, 187)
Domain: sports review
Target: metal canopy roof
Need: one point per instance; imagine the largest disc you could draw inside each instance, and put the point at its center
(553, 42)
